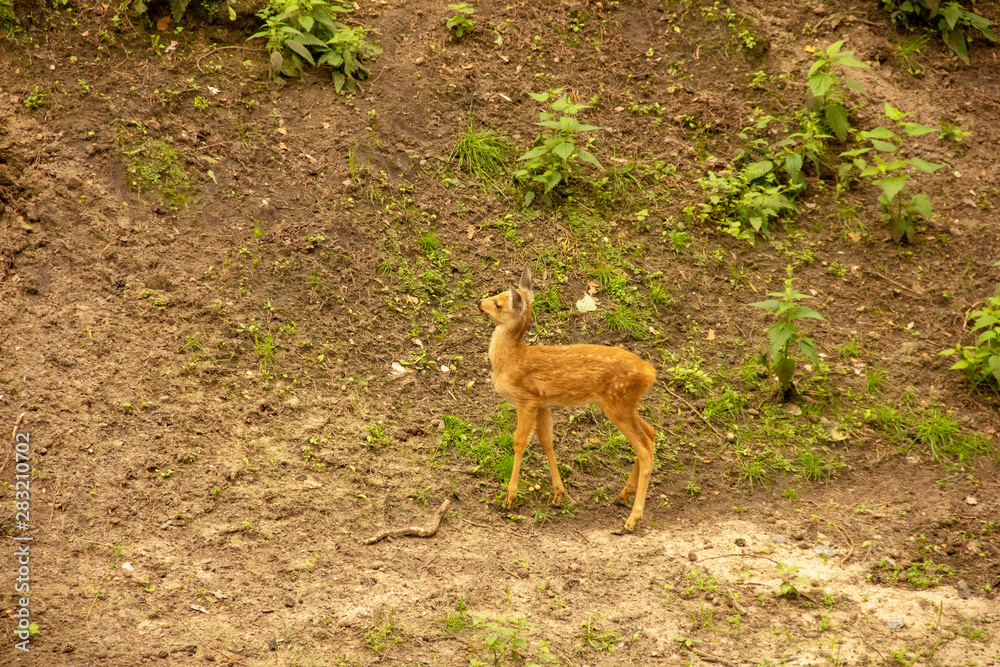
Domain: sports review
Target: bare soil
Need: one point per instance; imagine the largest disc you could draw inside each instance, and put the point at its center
(192, 502)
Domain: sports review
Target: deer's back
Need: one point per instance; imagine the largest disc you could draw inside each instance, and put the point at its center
(574, 375)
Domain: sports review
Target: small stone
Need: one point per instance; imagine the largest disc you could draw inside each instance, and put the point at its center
(970, 500)
(895, 623)
(730, 436)
(740, 542)
(793, 409)
(418, 61)
(820, 10)
(778, 539)
(824, 550)
(963, 589)
(693, 557)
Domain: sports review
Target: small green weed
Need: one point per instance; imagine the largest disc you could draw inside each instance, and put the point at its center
(461, 22)
(596, 638)
(692, 379)
(37, 100)
(459, 619)
(744, 200)
(785, 331)
(153, 164)
(383, 632)
(790, 583)
(500, 642)
(981, 362)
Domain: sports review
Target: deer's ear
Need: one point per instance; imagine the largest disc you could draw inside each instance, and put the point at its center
(516, 302)
(526, 279)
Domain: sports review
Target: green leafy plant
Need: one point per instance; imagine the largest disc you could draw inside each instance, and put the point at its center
(809, 143)
(37, 100)
(952, 20)
(305, 30)
(981, 362)
(498, 641)
(828, 95)
(744, 201)
(555, 157)
(785, 332)
(461, 22)
(790, 583)
(890, 172)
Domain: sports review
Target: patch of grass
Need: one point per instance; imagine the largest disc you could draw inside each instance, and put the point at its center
(753, 471)
(482, 154)
(659, 296)
(153, 165)
(701, 619)
(596, 637)
(938, 431)
(265, 347)
(458, 619)
(970, 632)
(926, 574)
(729, 404)
(623, 320)
(491, 448)
(815, 467)
(434, 282)
(874, 380)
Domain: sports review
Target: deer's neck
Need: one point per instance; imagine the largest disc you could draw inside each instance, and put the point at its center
(505, 348)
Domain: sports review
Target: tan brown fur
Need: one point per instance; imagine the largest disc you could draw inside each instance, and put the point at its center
(536, 377)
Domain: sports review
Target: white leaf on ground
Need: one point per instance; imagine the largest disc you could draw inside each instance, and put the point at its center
(586, 304)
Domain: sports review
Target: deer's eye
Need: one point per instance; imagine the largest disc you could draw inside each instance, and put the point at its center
(498, 306)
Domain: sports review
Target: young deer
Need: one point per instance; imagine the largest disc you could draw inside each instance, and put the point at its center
(534, 378)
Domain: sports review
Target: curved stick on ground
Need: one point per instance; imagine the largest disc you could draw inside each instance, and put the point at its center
(414, 531)
(13, 440)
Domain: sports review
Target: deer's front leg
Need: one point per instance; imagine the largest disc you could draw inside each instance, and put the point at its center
(526, 417)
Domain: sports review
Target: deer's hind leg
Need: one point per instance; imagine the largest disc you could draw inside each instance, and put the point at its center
(545, 437)
(639, 435)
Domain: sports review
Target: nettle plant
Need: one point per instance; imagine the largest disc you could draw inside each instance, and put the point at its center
(981, 362)
(305, 30)
(555, 157)
(785, 332)
(888, 170)
(952, 20)
(829, 98)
